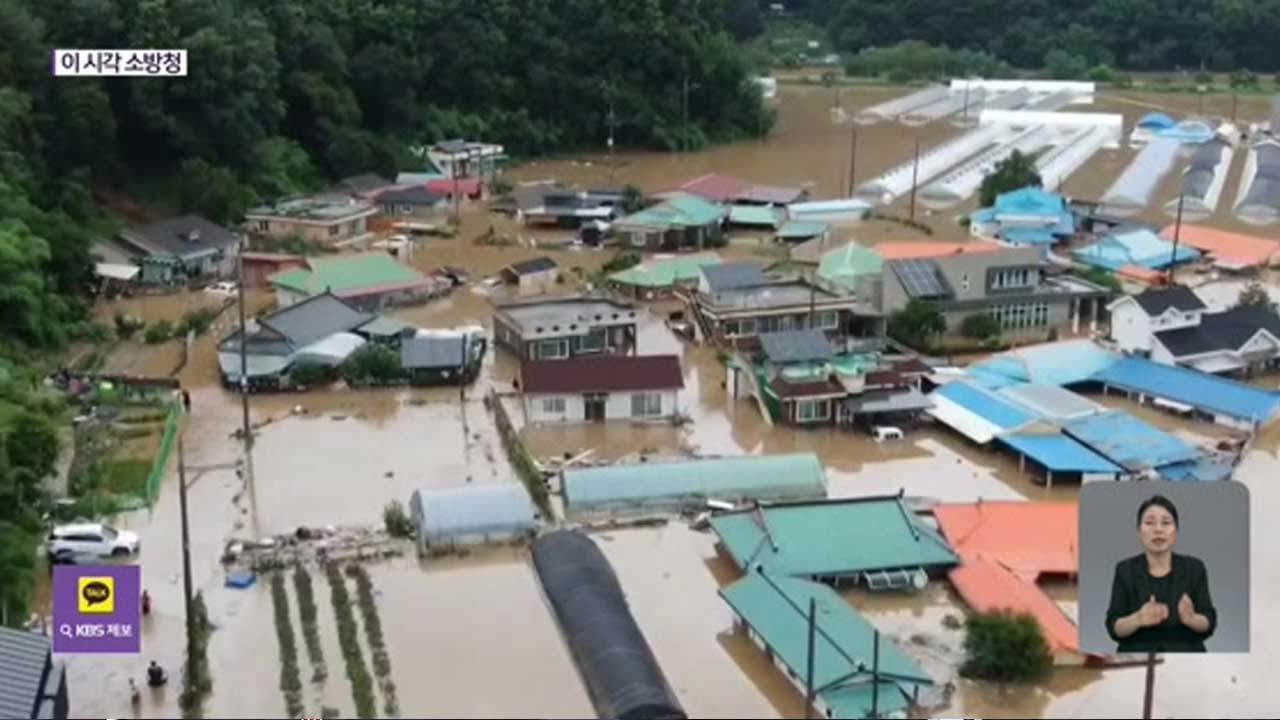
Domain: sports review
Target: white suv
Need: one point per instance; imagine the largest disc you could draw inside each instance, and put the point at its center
(68, 542)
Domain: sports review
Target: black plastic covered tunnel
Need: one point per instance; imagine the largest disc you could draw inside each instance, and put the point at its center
(621, 673)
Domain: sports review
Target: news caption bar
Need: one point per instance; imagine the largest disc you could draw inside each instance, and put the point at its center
(120, 63)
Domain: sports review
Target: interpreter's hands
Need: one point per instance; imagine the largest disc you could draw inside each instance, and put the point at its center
(1153, 613)
(1186, 609)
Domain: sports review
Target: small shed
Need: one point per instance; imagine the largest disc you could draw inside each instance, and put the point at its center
(532, 277)
(472, 514)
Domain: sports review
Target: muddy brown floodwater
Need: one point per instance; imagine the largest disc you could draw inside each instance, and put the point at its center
(473, 637)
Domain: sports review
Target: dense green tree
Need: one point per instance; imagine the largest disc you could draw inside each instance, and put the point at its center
(1005, 647)
(1255, 294)
(31, 445)
(980, 327)
(1012, 173)
(1062, 65)
(918, 323)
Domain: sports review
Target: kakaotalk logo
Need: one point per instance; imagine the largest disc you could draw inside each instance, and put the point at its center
(97, 595)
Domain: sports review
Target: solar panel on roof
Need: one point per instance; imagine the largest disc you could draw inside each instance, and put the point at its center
(920, 277)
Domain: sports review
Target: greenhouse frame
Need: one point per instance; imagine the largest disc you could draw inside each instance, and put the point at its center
(1259, 202)
(1131, 192)
(472, 514)
(889, 186)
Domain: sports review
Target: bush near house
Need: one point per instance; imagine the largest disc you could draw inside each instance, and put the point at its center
(372, 365)
(158, 333)
(397, 520)
(917, 324)
(980, 327)
(1005, 647)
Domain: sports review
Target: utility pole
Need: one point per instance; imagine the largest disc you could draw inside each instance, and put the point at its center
(246, 427)
(915, 175)
(1234, 98)
(613, 122)
(457, 201)
(964, 118)
(853, 157)
(186, 557)
(1148, 695)
(1177, 233)
(875, 675)
(808, 682)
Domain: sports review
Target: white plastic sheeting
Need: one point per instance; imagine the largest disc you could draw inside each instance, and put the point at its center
(942, 107)
(1259, 202)
(1202, 181)
(1131, 192)
(1112, 124)
(1053, 101)
(895, 182)
(472, 513)
(898, 106)
(1075, 87)
(331, 350)
(957, 185)
(1056, 165)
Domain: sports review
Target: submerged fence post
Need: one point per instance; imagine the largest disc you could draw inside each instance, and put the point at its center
(808, 683)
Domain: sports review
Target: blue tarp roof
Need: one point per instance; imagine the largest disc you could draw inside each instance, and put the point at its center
(1029, 236)
(986, 405)
(1203, 470)
(1129, 442)
(1059, 363)
(1200, 390)
(1060, 453)
(1140, 248)
(1156, 120)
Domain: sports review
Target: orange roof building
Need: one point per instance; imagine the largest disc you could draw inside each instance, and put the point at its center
(1004, 547)
(907, 249)
(1231, 250)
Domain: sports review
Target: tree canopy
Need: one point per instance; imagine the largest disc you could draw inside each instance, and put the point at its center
(918, 323)
(1012, 173)
(1005, 647)
(1126, 34)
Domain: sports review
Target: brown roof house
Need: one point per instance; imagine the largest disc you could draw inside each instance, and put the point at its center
(610, 387)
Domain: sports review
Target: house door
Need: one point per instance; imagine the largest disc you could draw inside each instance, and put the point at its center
(593, 405)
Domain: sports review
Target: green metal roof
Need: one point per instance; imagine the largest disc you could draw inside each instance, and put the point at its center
(777, 610)
(754, 215)
(345, 273)
(664, 273)
(798, 476)
(831, 538)
(384, 326)
(844, 265)
(679, 210)
(802, 229)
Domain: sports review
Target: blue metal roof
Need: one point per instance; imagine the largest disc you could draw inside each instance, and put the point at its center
(1156, 120)
(985, 405)
(1203, 470)
(1060, 453)
(1029, 236)
(1199, 390)
(1129, 442)
(1140, 248)
(1058, 363)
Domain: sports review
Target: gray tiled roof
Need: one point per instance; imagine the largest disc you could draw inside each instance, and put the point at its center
(173, 236)
(23, 656)
(416, 195)
(786, 346)
(727, 276)
(299, 325)
(432, 352)
(1178, 296)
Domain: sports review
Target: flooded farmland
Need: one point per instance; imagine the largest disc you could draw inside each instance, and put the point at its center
(472, 636)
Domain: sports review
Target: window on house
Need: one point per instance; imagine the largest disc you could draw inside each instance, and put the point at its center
(593, 341)
(334, 230)
(731, 328)
(406, 209)
(646, 404)
(553, 405)
(827, 320)
(813, 410)
(264, 225)
(551, 350)
(747, 326)
(964, 281)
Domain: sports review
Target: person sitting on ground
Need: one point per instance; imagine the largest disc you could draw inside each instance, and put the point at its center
(146, 603)
(156, 675)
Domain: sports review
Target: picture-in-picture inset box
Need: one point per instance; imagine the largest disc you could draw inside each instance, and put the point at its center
(1164, 567)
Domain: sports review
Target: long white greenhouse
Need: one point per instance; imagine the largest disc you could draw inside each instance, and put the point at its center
(1260, 187)
(893, 108)
(472, 514)
(957, 185)
(948, 105)
(1058, 163)
(1202, 181)
(1131, 192)
(897, 181)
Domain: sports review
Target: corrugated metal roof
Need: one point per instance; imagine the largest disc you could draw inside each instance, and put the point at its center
(1129, 442)
(904, 249)
(472, 510)
(777, 609)
(665, 272)
(845, 265)
(767, 477)
(987, 586)
(1029, 538)
(754, 215)
(907, 400)
(1200, 390)
(717, 187)
(985, 404)
(22, 662)
(1244, 250)
(787, 346)
(1059, 453)
(608, 373)
(801, 229)
(728, 276)
(837, 537)
(1140, 248)
(347, 273)
(1058, 363)
(1050, 402)
(428, 352)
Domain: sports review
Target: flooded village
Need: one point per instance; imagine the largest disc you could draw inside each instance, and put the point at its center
(691, 414)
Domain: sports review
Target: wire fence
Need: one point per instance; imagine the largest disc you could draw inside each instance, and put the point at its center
(162, 455)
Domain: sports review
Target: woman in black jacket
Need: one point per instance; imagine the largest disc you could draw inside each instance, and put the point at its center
(1160, 600)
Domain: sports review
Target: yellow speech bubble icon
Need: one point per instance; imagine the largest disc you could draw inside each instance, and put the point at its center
(96, 595)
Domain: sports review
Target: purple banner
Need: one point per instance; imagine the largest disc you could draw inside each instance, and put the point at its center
(97, 609)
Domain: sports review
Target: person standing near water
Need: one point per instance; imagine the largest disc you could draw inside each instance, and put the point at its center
(1160, 600)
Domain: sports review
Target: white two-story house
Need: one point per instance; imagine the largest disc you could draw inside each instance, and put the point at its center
(1136, 318)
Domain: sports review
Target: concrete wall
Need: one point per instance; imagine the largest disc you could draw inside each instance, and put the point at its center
(285, 227)
(1059, 317)
(538, 283)
(617, 407)
(285, 297)
(1130, 327)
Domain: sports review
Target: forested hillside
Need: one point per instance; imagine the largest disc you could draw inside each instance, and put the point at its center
(1129, 34)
